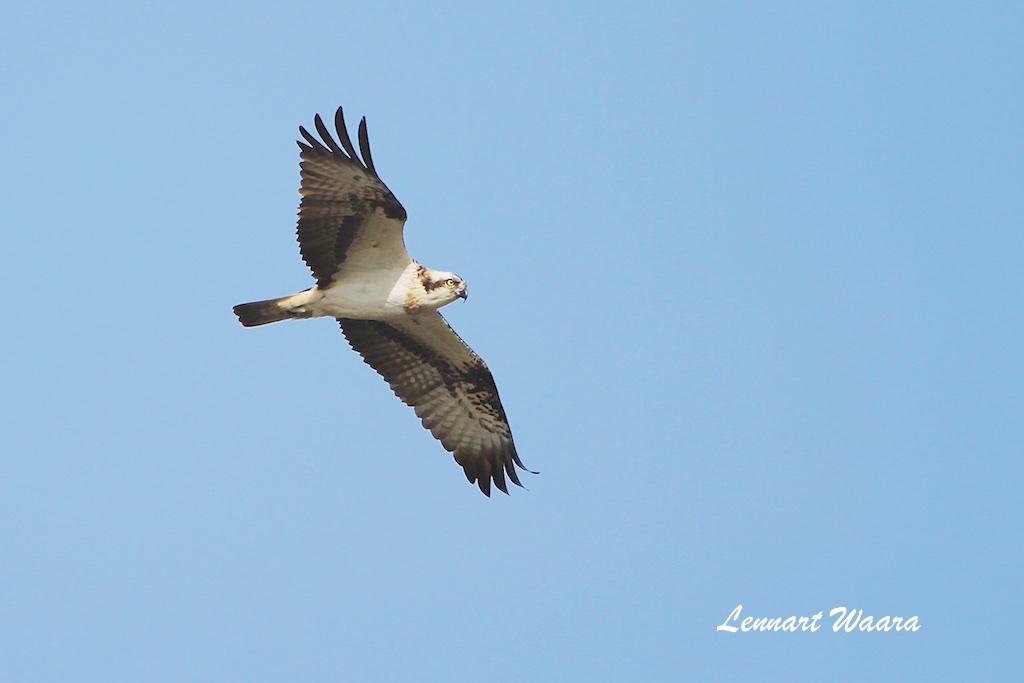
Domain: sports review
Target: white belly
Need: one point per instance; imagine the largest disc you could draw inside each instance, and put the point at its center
(357, 300)
(374, 295)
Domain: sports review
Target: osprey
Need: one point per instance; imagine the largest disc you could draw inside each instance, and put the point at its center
(350, 236)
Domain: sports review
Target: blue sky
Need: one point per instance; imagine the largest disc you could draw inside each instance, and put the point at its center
(748, 276)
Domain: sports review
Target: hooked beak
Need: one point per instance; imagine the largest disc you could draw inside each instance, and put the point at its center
(463, 293)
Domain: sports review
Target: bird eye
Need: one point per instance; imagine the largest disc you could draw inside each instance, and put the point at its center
(450, 282)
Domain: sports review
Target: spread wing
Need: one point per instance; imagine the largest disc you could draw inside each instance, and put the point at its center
(431, 369)
(348, 218)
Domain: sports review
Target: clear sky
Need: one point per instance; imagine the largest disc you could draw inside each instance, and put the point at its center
(748, 275)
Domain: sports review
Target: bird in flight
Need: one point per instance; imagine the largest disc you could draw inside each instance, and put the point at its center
(350, 236)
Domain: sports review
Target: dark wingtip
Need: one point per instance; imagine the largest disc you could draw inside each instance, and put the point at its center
(364, 147)
(484, 473)
(515, 458)
(326, 134)
(313, 142)
(499, 480)
(346, 141)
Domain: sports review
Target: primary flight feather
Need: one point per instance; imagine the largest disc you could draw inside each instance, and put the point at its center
(350, 236)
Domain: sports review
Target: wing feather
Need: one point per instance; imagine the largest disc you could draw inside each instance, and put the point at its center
(430, 368)
(348, 218)
(325, 135)
(346, 142)
(313, 142)
(364, 146)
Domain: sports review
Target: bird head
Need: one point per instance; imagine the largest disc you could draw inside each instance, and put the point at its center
(442, 287)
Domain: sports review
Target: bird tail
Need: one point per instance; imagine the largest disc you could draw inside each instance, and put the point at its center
(272, 310)
(262, 312)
